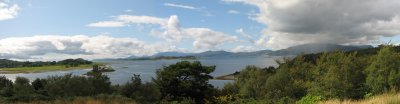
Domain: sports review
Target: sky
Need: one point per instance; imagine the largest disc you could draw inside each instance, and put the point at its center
(92, 29)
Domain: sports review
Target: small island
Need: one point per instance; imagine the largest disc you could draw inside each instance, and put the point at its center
(98, 69)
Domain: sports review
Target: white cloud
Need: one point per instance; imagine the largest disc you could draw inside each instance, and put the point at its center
(202, 9)
(293, 22)
(180, 6)
(141, 19)
(45, 46)
(107, 24)
(205, 38)
(233, 12)
(170, 30)
(173, 31)
(242, 48)
(124, 20)
(246, 36)
(128, 10)
(8, 11)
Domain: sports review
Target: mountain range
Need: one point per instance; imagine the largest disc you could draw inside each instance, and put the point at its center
(294, 50)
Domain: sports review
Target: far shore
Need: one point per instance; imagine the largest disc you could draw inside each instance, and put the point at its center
(44, 69)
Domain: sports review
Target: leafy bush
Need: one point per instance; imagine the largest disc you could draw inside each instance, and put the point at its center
(143, 93)
(309, 99)
(6, 87)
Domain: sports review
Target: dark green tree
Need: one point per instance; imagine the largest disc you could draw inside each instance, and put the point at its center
(23, 90)
(383, 74)
(6, 87)
(290, 81)
(252, 80)
(185, 80)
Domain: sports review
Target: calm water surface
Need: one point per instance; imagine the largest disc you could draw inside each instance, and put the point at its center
(147, 68)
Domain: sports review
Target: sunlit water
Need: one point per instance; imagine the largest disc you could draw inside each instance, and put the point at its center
(147, 68)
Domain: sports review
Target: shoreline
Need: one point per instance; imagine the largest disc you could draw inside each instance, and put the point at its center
(225, 77)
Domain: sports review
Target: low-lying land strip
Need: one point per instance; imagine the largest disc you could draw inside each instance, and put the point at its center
(42, 69)
(227, 77)
(10, 66)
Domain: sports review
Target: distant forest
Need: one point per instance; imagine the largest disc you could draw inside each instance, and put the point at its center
(5, 63)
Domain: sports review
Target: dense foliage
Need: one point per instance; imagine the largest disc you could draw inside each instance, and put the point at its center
(4, 63)
(331, 75)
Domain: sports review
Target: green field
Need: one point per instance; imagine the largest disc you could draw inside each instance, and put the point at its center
(42, 69)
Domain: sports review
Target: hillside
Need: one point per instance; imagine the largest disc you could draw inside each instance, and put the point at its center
(315, 48)
(295, 50)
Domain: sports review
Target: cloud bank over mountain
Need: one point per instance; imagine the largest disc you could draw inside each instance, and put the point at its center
(293, 22)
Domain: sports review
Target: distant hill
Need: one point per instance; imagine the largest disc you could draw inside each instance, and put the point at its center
(133, 56)
(294, 50)
(213, 54)
(172, 54)
(315, 48)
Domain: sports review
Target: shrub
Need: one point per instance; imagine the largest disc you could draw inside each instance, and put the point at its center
(6, 87)
(143, 93)
(309, 99)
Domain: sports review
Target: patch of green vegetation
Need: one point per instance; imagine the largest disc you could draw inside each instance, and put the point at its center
(44, 68)
(10, 66)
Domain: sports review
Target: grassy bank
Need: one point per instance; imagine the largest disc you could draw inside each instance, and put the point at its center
(42, 69)
(379, 99)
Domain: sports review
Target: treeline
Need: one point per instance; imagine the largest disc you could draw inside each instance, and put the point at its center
(310, 78)
(4, 63)
(51, 88)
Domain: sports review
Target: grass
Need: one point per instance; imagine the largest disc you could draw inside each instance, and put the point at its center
(42, 69)
(85, 100)
(379, 99)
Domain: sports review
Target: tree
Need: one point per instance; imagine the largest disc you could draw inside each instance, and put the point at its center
(290, 81)
(23, 90)
(101, 84)
(383, 74)
(6, 87)
(185, 80)
(251, 81)
(130, 88)
(147, 93)
(22, 85)
(339, 75)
